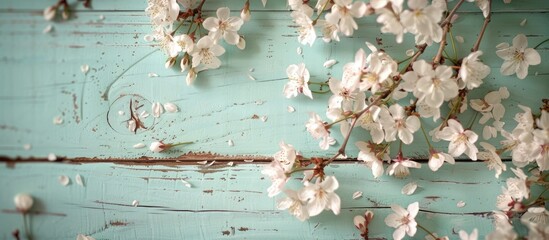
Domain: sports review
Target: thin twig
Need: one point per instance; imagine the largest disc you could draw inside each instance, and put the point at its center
(486, 21)
(451, 14)
(445, 30)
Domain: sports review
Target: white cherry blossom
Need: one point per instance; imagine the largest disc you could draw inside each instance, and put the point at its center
(400, 167)
(380, 67)
(317, 128)
(276, 173)
(472, 71)
(398, 122)
(286, 156)
(484, 6)
(436, 85)
(224, 26)
(436, 159)
(321, 195)
(306, 30)
(298, 77)
(372, 161)
(162, 12)
(492, 158)
(346, 11)
(422, 21)
(536, 215)
(23, 202)
(461, 141)
(403, 220)
(390, 17)
(329, 28)
(464, 236)
(518, 187)
(369, 120)
(518, 57)
(180, 43)
(205, 54)
(295, 206)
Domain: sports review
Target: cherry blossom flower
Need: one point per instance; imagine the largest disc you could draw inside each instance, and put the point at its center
(436, 159)
(403, 220)
(345, 11)
(390, 17)
(518, 57)
(180, 43)
(400, 167)
(461, 141)
(380, 67)
(492, 159)
(224, 26)
(541, 138)
(321, 195)
(352, 72)
(50, 12)
(298, 77)
(362, 223)
(317, 128)
(162, 12)
(525, 120)
(277, 174)
(398, 122)
(157, 147)
(536, 215)
(295, 206)
(472, 71)
(205, 54)
(521, 144)
(422, 21)
(369, 120)
(23, 202)
(484, 6)
(435, 86)
(464, 236)
(329, 28)
(286, 156)
(306, 30)
(518, 188)
(372, 161)
(537, 231)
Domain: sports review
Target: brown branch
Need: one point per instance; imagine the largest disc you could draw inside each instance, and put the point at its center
(446, 28)
(451, 14)
(486, 21)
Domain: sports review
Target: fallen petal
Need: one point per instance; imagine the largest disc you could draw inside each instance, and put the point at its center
(85, 68)
(144, 114)
(78, 180)
(230, 143)
(121, 113)
(210, 164)
(291, 109)
(410, 52)
(27, 146)
(170, 107)
(251, 77)
(329, 63)
(248, 160)
(135, 203)
(152, 75)
(409, 188)
(157, 109)
(139, 145)
(187, 184)
(47, 29)
(460, 204)
(460, 39)
(263, 118)
(251, 69)
(148, 38)
(357, 195)
(523, 22)
(64, 180)
(202, 162)
(230, 164)
(58, 120)
(52, 157)
(299, 50)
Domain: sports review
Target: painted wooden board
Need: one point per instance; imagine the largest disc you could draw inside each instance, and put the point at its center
(231, 202)
(40, 79)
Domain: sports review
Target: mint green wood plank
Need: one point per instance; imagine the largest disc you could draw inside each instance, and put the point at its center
(42, 79)
(230, 202)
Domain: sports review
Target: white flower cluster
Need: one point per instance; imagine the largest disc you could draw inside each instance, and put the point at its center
(195, 52)
(308, 201)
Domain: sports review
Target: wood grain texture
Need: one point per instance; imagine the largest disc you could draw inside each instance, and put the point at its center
(231, 202)
(42, 79)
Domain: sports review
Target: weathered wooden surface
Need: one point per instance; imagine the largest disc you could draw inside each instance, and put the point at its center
(41, 79)
(231, 202)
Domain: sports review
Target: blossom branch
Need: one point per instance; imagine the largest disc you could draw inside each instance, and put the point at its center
(451, 14)
(446, 28)
(483, 29)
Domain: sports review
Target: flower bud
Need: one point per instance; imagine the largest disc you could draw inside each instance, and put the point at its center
(191, 76)
(241, 43)
(49, 13)
(245, 14)
(185, 63)
(170, 62)
(23, 202)
(158, 147)
(66, 14)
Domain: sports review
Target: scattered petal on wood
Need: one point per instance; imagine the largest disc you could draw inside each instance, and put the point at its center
(299, 50)
(259, 102)
(47, 29)
(248, 160)
(131, 125)
(524, 21)
(78, 180)
(251, 69)
(202, 162)
(85, 68)
(357, 195)
(58, 120)
(460, 204)
(121, 113)
(264, 118)
(291, 109)
(151, 75)
(230, 143)
(187, 184)
(27, 146)
(157, 109)
(52, 157)
(101, 17)
(264, 2)
(148, 38)
(230, 164)
(210, 164)
(135, 203)
(251, 77)
(460, 39)
(410, 52)
(139, 145)
(329, 63)
(144, 114)
(409, 188)
(170, 107)
(64, 180)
